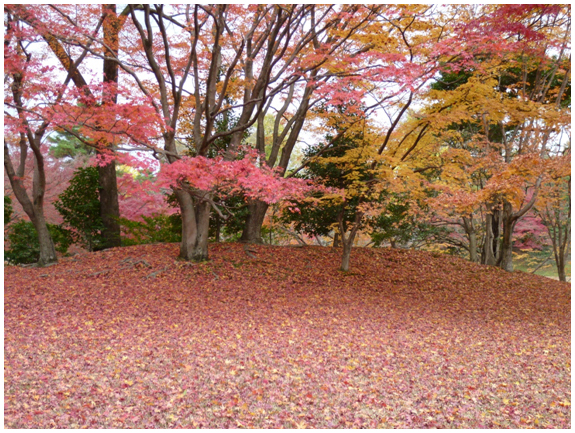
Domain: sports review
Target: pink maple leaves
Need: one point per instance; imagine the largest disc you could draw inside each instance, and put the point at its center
(101, 123)
(246, 176)
(130, 338)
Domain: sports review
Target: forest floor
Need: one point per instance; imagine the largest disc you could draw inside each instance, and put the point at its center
(132, 337)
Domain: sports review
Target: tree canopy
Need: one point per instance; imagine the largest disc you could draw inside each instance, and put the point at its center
(461, 111)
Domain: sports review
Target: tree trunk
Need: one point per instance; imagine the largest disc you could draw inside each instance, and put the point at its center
(560, 261)
(257, 208)
(47, 250)
(109, 207)
(472, 236)
(473, 247)
(189, 226)
(336, 239)
(347, 242)
(253, 228)
(195, 227)
(203, 228)
(490, 253)
(561, 239)
(346, 255)
(564, 242)
(506, 259)
(33, 208)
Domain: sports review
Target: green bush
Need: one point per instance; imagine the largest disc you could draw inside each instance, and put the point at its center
(24, 245)
(79, 206)
(61, 237)
(159, 228)
(232, 227)
(8, 210)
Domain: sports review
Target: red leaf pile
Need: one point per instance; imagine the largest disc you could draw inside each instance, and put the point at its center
(131, 337)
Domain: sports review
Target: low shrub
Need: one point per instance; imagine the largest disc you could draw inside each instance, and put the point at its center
(24, 247)
(79, 206)
(8, 210)
(158, 228)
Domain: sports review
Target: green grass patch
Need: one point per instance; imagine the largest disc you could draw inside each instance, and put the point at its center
(528, 261)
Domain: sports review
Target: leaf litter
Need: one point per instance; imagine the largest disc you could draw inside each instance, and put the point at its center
(133, 338)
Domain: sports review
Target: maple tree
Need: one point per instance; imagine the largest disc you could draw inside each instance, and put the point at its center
(342, 165)
(544, 82)
(510, 111)
(318, 216)
(397, 148)
(51, 22)
(238, 41)
(554, 209)
(380, 69)
(377, 63)
(39, 102)
(531, 233)
(321, 78)
(173, 72)
(25, 78)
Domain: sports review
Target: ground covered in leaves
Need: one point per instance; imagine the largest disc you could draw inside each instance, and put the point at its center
(131, 337)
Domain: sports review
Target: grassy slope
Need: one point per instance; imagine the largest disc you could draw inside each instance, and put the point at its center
(407, 339)
(527, 262)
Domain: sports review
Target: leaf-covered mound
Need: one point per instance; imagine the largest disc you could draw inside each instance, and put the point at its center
(131, 337)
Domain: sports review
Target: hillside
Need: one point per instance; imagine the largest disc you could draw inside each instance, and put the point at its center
(131, 337)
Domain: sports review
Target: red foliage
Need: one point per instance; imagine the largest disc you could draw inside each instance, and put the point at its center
(142, 198)
(130, 337)
(237, 176)
(58, 175)
(530, 233)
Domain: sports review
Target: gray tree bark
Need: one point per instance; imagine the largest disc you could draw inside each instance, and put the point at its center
(202, 210)
(490, 253)
(252, 232)
(189, 227)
